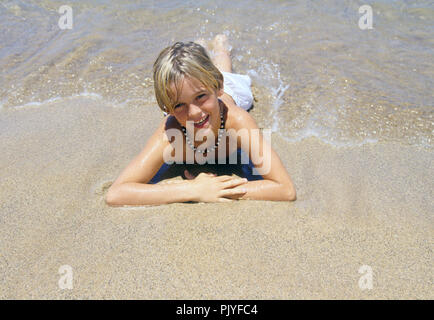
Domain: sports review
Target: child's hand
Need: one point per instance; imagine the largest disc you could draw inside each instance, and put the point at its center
(211, 188)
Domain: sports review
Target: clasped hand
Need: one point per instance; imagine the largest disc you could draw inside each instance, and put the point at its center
(209, 187)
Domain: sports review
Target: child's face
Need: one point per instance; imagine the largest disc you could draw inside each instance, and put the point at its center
(195, 103)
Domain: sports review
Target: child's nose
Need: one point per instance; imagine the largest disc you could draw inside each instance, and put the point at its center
(194, 110)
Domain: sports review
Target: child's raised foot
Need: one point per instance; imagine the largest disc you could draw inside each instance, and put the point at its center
(220, 44)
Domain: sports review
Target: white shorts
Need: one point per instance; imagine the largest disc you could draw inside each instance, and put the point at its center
(238, 87)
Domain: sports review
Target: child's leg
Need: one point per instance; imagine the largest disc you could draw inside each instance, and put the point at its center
(219, 51)
(222, 54)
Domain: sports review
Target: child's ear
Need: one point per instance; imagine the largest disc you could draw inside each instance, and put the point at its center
(220, 91)
(165, 111)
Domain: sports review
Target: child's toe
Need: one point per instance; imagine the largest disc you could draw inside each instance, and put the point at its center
(221, 43)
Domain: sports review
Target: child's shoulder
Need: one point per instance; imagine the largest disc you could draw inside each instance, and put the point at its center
(169, 122)
(161, 133)
(237, 118)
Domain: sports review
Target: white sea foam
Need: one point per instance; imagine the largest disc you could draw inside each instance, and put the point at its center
(36, 104)
(321, 124)
(268, 74)
(277, 94)
(88, 94)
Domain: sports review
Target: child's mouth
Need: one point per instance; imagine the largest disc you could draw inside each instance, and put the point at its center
(201, 123)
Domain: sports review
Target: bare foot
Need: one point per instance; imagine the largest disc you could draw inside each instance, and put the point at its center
(221, 44)
(221, 53)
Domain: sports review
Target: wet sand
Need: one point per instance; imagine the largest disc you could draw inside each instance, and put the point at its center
(368, 205)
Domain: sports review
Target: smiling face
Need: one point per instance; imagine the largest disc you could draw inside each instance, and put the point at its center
(198, 104)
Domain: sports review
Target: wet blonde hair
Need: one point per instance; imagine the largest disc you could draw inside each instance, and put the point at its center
(175, 63)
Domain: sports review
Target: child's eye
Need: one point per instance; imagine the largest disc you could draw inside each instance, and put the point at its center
(201, 96)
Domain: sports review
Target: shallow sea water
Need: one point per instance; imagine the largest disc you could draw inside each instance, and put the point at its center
(314, 71)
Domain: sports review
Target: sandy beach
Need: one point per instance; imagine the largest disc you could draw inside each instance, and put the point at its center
(361, 205)
(351, 111)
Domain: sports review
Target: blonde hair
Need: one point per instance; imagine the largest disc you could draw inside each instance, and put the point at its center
(178, 61)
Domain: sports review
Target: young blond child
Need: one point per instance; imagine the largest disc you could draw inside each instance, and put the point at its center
(200, 93)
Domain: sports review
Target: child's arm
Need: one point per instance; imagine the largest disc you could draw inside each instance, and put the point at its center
(131, 187)
(277, 184)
